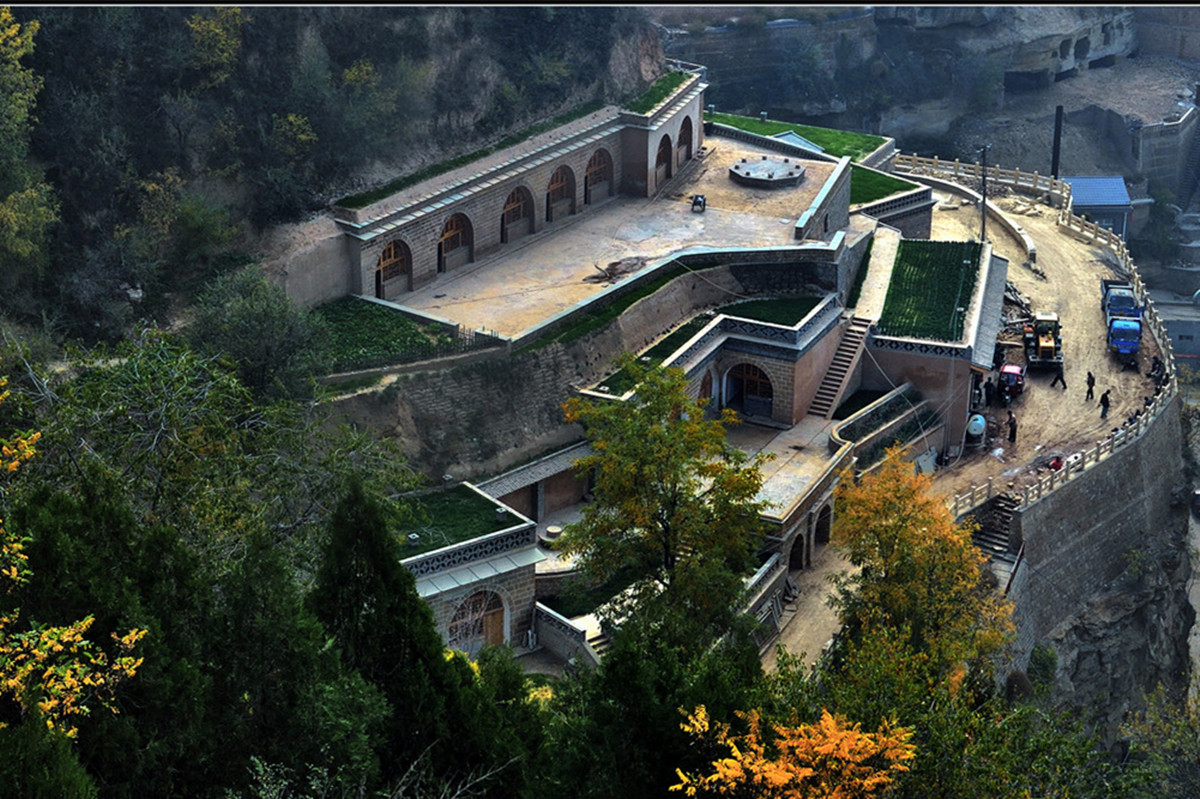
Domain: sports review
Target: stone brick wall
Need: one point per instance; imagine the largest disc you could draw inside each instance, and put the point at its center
(516, 590)
(484, 209)
(1078, 540)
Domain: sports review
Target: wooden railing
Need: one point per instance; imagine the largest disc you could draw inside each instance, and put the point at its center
(1060, 195)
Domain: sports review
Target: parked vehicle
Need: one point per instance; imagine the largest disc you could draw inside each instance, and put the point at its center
(1122, 319)
(1043, 340)
(1011, 383)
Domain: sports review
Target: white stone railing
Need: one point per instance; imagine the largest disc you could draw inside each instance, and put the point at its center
(1060, 194)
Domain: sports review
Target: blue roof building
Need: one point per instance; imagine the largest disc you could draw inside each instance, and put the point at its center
(1103, 200)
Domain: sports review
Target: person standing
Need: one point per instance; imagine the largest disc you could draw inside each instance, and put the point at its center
(1091, 384)
(1012, 428)
(989, 392)
(1058, 377)
(1104, 402)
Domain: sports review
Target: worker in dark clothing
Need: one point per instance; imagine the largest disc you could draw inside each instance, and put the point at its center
(1091, 384)
(1104, 402)
(1012, 428)
(1058, 377)
(989, 392)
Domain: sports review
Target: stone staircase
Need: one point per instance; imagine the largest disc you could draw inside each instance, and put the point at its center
(599, 642)
(844, 360)
(992, 537)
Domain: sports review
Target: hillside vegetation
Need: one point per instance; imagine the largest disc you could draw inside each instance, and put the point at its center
(168, 136)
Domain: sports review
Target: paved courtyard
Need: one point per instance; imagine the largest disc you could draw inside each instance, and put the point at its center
(551, 271)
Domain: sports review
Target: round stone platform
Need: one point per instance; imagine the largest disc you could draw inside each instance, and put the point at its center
(767, 171)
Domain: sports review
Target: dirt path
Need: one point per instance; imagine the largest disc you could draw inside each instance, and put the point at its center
(1051, 420)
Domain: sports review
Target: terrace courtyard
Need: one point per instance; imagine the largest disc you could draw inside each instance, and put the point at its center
(546, 274)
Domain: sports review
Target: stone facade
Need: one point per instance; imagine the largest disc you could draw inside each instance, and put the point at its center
(402, 245)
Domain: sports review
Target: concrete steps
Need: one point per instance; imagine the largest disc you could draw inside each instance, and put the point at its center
(849, 350)
(995, 525)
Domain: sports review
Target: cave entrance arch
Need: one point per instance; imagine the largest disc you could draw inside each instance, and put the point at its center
(662, 162)
(395, 263)
(598, 179)
(517, 219)
(560, 194)
(456, 244)
(683, 148)
(748, 391)
(479, 621)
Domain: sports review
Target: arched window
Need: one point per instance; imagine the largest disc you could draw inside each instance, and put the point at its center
(394, 262)
(478, 621)
(598, 181)
(517, 219)
(454, 245)
(560, 194)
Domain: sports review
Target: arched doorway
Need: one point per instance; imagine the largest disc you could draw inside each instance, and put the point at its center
(748, 391)
(662, 162)
(517, 219)
(598, 180)
(395, 262)
(683, 148)
(455, 244)
(560, 194)
(824, 525)
(479, 621)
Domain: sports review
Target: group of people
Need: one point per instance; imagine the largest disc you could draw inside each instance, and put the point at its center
(990, 393)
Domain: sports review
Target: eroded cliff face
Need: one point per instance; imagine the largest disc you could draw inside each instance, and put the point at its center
(1123, 644)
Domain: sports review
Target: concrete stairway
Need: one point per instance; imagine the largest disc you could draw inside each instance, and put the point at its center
(992, 537)
(599, 642)
(829, 393)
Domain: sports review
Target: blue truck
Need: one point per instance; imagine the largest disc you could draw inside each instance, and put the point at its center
(1122, 319)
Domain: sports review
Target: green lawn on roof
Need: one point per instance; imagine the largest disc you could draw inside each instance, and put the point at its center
(837, 143)
(659, 91)
(867, 186)
(930, 281)
(455, 515)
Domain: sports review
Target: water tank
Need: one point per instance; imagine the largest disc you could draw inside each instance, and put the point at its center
(976, 425)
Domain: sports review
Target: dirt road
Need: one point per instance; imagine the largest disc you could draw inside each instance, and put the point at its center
(1051, 420)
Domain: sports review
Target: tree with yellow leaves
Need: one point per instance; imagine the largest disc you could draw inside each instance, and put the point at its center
(831, 759)
(53, 669)
(919, 570)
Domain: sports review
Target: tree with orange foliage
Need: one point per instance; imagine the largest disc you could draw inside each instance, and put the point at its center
(918, 569)
(54, 670)
(827, 760)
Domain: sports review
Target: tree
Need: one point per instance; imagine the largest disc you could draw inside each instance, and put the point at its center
(827, 760)
(276, 347)
(672, 498)
(919, 570)
(27, 205)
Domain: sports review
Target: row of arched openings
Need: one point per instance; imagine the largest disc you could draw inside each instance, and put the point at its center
(457, 240)
(668, 158)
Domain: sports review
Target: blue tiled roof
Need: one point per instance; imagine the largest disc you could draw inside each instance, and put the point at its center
(1098, 191)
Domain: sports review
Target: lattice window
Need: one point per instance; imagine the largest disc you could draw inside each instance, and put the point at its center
(755, 382)
(394, 261)
(599, 168)
(560, 185)
(518, 206)
(479, 619)
(456, 233)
